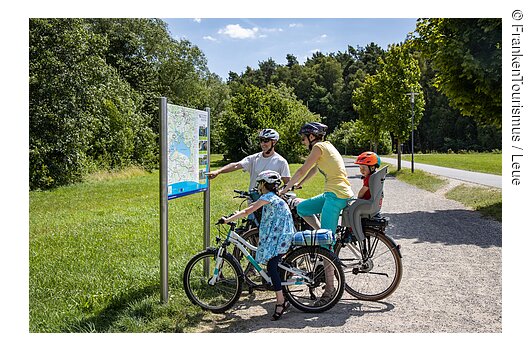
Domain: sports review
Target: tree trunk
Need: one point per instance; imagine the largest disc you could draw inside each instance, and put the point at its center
(399, 155)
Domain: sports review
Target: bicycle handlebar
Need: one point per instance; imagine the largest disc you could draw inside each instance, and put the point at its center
(293, 188)
(242, 194)
(222, 221)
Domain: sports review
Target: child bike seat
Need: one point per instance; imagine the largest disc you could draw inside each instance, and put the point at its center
(365, 208)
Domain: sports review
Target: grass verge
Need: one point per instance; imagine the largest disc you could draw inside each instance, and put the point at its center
(94, 252)
(420, 179)
(489, 163)
(487, 201)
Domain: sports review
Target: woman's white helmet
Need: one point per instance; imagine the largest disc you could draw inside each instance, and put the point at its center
(269, 176)
(269, 134)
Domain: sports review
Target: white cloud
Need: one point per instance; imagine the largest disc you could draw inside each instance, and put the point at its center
(235, 31)
(271, 30)
(198, 20)
(318, 39)
(295, 25)
(207, 37)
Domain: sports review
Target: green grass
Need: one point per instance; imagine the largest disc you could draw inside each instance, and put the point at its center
(487, 201)
(490, 163)
(420, 179)
(94, 252)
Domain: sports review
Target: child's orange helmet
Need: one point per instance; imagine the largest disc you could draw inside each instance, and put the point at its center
(368, 158)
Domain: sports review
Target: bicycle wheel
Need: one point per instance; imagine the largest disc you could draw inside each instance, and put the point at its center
(378, 275)
(307, 268)
(224, 293)
(252, 276)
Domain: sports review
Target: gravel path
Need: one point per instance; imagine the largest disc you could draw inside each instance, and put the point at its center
(451, 280)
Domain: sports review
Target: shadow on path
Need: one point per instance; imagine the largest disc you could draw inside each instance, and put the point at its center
(451, 227)
(236, 321)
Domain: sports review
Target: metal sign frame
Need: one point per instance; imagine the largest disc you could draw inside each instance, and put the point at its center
(163, 190)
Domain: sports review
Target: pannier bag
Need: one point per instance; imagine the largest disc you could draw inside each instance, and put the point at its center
(314, 237)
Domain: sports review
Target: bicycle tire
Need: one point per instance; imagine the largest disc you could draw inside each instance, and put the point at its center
(221, 296)
(379, 276)
(304, 295)
(252, 276)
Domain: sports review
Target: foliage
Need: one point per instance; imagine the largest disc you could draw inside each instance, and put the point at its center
(82, 115)
(324, 82)
(382, 100)
(400, 75)
(253, 109)
(443, 127)
(466, 55)
(94, 88)
(354, 137)
(366, 101)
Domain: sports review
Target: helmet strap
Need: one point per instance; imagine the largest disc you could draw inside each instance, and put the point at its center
(270, 149)
(312, 143)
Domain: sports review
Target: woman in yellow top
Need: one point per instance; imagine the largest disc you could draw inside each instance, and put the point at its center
(325, 158)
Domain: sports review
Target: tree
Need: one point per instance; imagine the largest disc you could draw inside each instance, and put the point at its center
(94, 88)
(326, 89)
(135, 48)
(354, 137)
(253, 109)
(466, 56)
(367, 103)
(82, 115)
(400, 74)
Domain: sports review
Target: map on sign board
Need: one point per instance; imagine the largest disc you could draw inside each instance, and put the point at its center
(187, 131)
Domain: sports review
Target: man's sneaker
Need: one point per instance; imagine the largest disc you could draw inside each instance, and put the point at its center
(325, 298)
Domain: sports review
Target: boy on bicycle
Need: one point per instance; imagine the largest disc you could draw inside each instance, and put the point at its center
(275, 231)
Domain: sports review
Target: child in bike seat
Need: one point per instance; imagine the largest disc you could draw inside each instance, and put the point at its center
(275, 231)
(368, 164)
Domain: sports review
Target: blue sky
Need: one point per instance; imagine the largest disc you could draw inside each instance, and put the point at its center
(232, 44)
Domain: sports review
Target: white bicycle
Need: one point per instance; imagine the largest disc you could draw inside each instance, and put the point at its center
(213, 278)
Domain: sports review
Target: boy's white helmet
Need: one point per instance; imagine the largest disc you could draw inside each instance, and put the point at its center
(269, 176)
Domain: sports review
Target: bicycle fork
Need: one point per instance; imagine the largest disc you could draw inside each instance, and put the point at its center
(218, 264)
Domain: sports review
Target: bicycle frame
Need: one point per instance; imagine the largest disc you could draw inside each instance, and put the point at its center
(253, 222)
(241, 244)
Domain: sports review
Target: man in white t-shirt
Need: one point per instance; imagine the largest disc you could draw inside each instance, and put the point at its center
(254, 164)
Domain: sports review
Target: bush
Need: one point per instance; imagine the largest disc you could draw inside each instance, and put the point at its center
(351, 138)
(252, 109)
(83, 115)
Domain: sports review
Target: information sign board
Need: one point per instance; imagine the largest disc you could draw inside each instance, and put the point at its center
(187, 145)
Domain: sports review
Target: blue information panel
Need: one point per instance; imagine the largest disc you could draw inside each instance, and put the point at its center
(187, 131)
